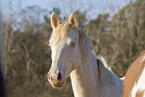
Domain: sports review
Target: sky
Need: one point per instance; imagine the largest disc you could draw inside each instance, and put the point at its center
(92, 7)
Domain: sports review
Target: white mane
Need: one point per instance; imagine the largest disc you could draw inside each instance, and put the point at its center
(84, 42)
(107, 74)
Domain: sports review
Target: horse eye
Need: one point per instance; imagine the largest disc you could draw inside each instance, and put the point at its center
(72, 44)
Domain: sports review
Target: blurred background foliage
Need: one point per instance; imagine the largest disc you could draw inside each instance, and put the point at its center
(119, 39)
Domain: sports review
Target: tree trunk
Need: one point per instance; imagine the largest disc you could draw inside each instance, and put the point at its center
(2, 83)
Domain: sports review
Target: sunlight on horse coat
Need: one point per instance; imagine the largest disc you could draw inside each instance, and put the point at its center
(72, 55)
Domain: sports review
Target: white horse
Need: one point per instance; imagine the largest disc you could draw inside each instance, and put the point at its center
(134, 84)
(72, 55)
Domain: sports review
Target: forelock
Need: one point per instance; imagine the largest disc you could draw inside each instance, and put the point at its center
(60, 33)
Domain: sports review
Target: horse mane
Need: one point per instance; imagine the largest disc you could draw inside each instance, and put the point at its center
(84, 42)
(106, 74)
(105, 71)
(104, 62)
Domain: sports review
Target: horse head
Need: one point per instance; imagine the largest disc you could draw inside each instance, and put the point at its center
(64, 43)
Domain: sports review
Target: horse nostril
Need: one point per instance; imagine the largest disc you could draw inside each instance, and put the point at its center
(59, 77)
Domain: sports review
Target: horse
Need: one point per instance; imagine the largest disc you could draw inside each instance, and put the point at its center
(134, 83)
(72, 55)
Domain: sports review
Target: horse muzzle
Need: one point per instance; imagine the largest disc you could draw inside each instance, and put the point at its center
(57, 81)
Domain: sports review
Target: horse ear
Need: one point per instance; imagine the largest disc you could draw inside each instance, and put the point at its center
(54, 20)
(73, 20)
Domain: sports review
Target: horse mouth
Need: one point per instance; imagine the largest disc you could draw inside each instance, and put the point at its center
(58, 85)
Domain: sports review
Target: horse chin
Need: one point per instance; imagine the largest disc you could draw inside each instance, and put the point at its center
(58, 85)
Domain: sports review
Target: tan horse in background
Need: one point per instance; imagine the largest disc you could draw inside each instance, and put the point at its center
(134, 84)
(72, 55)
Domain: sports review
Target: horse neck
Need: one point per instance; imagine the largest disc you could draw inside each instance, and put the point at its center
(91, 77)
(83, 79)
